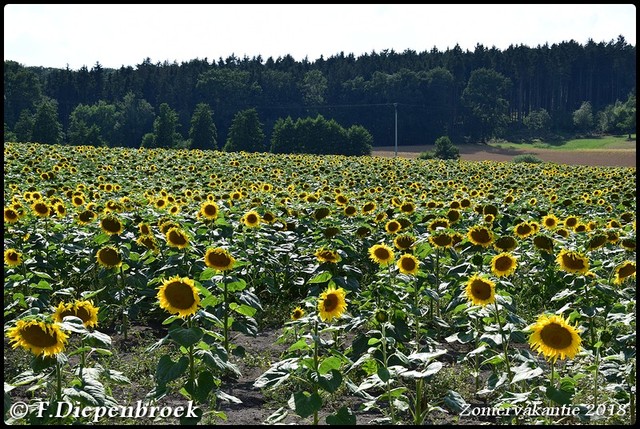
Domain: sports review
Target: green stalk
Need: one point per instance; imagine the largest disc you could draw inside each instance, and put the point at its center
(225, 314)
(384, 362)
(504, 341)
(316, 366)
(123, 302)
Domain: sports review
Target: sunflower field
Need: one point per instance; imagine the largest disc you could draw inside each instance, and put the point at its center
(409, 291)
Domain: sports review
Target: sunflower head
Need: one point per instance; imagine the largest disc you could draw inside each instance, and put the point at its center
(111, 225)
(381, 254)
(408, 264)
(332, 304)
(297, 313)
(480, 290)
(85, 310)
(179, 296)
(108, 257)
(554, 337)
(503, 264)
(441, 239)
(404, 241)
(393, 226)
(10, 215)
(543, 242)
(176, 237)
(209, 210)
(219, 259)
(572, 262)
(251, 219)
(625, 270)
(39, 337)
(327, 255)
(12, 257)
(480, 235)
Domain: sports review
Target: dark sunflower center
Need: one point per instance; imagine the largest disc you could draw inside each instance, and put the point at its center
(86, 216)
(330, 303)
(381, 253)
(83, 314)
(481, 236)
(251, 219)
(11, 214)
(210, 210)
(179, 295)
(12, 256)
(111, 225)
(523, 229)
(481, 290)
(41, 208)
(573, 262)
(626, 271)
(218, 260)
(556, 336)
(368, 207)
(109, 257)
(35, 335)
(393, 226)
(503, 263)
(442, 240)
(350, 210)
(176, 238)
(408, 264)
(550, 222)
(297, 314)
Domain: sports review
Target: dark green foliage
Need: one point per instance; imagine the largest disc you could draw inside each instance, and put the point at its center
(164, 128)
(245, 133)
(583, 118)
(46, 128)
(203, 132)
(527, 158)
(445, 149)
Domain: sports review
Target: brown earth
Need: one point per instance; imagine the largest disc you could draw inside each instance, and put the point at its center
(615, 157)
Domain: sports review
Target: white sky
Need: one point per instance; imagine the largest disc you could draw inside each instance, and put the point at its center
(114, 35)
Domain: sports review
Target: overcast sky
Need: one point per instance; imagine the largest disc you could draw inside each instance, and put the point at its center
(114, 35)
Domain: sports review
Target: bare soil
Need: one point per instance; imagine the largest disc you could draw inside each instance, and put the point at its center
(615, 157)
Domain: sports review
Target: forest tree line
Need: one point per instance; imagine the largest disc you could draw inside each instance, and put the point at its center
(470, 96)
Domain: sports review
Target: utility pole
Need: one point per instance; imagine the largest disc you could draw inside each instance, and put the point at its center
(395, 108)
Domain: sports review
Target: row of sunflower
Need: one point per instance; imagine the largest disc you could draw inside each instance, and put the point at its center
(422, 254)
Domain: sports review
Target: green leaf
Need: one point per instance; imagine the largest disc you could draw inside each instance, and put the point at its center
(343, 416)
(328, 364)
(558, 396)
(383, 373)
(243, 309)
(331, 382)
(169, 370)
(454, 401)
(207, 274)
(298, 345)
(204, 385)
(321, 278)
(305, 404)
(186, 336)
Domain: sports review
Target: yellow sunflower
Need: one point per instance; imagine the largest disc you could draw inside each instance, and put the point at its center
(85, 310)
(369, 207)
(523, 230)
(506, 243)
(39, 337)
(251, 219)
(350, 210)
(179, 296)
(111, 225)
(407, 207)
(10, 215)
(393, 226)
(40, 208)
(408, 264)
(480, 290)
(209, 210)
(381, 254)
(85, 217)
(572, 262)
(596, 241)
(480, 235)
(148, 241)
(176, 237)
(441, 240)
(219, 259)
(623, 271)
(404, 241)
(144, 228)
(332, 304)
(554, 337)
(12, 257)
(297, 313)
(503, 264)
(543, 242)
(327, 255)
(108, 257)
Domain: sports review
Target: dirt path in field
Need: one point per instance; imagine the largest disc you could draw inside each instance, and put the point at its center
(618, 157)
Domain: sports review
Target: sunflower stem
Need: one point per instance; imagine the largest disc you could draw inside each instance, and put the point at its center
(595, 379)
(192, 369)
(123, 303)
(504, 342)
(225, 314)
(437, 285)
(316, 366)
(591, 327)
(384, 363)
(58, 382)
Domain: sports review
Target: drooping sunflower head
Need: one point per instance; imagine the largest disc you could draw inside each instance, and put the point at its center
(441, 240)
(381, 254)
(332, 304)
(85, 310)
(543, 242)
(297, 313)
(178, 295)
(39, 337)
(503, 264)
(12, 257)
(506, 243)
(251, 219)
(438, 223)
(407, 207)
(41, 208)
(209, 210)
(523, 229)
(572, 262)
(148, 241)
(408, 264)
(176, 237)
(327, 255)
(554, 337)
(219, 259)
(480, 290)
(108, 257)
(144, 228)
(350, 210)
(85, 217)
(480, 235)
(111, 225)
(596, 241)
(369, 207)
(404, 241)
(393, 226)
(625, 270)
